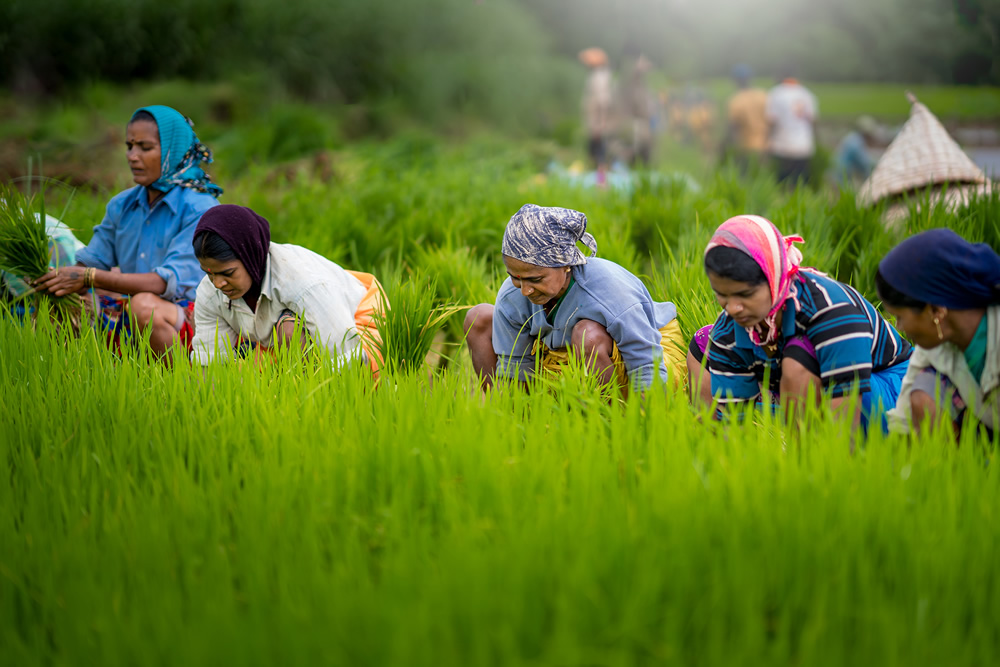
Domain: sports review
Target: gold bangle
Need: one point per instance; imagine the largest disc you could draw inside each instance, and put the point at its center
(88, 276)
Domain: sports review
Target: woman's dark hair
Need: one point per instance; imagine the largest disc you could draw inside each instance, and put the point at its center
(734, 264)
(142, 114)
(893, 297)
(209, 245)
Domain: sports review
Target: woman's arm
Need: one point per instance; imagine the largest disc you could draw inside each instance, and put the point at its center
(213, 335)
(69, 279)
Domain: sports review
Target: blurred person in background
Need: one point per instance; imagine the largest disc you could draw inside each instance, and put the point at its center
(140, 256)
(950, 309)
(256, 294)
(556, 300)
(745, 142)
(639, 104)
(809, 332)
(791, 113)
(852, 162)
(598, 109)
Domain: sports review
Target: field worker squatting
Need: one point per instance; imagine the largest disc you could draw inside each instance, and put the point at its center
(555, 299)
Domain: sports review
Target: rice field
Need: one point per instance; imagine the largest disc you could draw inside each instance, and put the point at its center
(289, 515)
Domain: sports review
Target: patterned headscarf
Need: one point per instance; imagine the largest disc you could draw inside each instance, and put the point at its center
(547, 236)
(941, 268)
(180, 153)
(773, 253)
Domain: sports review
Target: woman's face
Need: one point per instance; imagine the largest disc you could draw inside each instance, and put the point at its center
(142, 140)
(229, 277)
(918, 325)
(538, 284)
(747, 304)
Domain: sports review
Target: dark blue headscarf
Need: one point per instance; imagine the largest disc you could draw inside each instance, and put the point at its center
(941, 268)
(180, 153)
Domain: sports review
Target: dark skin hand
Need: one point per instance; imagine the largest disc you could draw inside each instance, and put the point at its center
(69, 279)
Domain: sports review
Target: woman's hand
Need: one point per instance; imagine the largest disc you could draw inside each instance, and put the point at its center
(62, 281)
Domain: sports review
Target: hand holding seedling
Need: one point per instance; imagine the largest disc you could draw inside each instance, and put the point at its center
(62, 281)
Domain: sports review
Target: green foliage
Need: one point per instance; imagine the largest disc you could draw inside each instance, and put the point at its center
(24, 244)
(287, 514)
(267, 516)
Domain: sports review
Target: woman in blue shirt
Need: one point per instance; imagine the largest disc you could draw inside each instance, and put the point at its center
(147, 232)
(556, 299)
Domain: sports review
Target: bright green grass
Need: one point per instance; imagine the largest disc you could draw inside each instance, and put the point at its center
(294, 517)
(154, 516)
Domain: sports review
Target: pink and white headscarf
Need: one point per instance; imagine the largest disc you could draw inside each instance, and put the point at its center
(774, 253)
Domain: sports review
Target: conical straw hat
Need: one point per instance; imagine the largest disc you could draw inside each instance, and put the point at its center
(922, 154)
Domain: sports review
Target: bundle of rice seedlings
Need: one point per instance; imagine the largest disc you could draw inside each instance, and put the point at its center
(24, 252)
(409, 325)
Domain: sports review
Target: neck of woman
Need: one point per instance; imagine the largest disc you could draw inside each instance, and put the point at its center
(252, 297)
(153, 195)
(964, 324)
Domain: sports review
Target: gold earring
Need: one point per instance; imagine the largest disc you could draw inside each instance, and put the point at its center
(937, 323)
(568, 269)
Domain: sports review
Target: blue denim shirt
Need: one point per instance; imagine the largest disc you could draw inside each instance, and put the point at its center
(603, 292)
(138, 239)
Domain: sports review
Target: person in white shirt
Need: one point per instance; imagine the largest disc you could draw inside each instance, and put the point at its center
(792, 112)
(255, 293)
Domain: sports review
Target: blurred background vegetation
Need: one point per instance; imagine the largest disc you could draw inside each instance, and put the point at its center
(487, 56)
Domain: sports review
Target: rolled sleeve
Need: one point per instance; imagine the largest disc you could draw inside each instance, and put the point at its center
(180, 268)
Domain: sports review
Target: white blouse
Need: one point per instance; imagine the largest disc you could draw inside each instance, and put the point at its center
(296, 279)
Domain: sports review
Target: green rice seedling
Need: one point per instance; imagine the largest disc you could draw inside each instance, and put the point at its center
(24, 251)
(412, 320)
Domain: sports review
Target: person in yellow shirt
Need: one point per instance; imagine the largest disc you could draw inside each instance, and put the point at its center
(746, 137)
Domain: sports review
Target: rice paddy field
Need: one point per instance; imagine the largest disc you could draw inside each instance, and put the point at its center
(284, 514)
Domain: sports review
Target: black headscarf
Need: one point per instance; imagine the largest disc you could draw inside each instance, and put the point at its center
(941, 268)
(248, 234)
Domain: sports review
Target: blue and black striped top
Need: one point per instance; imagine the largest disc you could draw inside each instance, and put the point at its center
(851, 339)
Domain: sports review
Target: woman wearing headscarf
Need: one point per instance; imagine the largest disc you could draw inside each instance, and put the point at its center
(945, 295)
(555, 299)
(146, 233)
(809, 331)
(258, 292)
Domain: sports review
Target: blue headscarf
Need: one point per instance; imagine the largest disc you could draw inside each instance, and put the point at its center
(180, 153)
(547, 236)
(941, 268)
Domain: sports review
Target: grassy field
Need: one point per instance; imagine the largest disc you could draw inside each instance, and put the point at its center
(288, 515)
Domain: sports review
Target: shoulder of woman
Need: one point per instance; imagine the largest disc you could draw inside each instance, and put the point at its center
(125, 197)
(193, 200)
(613, 286)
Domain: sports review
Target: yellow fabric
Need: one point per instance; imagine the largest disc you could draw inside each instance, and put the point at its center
(748, 115)
(674, 356)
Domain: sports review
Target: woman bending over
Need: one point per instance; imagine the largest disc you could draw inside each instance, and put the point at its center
(555, 299)
(809, 331)
(256, 292)
(945, 295)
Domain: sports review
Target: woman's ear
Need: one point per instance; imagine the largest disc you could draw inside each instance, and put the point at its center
(937, 313)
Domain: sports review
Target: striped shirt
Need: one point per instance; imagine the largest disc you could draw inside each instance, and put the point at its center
(852, 341)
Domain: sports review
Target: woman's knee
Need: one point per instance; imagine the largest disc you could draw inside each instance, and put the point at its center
(591, 337)
(479, 321)
(142, 306)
